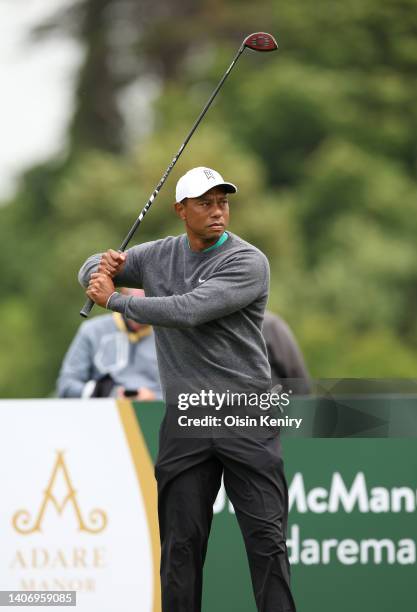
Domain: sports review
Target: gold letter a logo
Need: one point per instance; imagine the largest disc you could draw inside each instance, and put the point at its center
(98, 518)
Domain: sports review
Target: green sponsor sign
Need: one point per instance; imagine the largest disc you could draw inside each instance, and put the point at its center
(352, 530)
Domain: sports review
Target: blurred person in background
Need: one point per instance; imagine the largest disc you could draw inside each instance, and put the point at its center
(111, 356)
(284, 356)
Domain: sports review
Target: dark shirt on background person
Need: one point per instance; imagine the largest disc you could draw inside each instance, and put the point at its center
(284, 355)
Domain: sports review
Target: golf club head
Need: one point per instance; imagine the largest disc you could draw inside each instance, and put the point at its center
(261, 41)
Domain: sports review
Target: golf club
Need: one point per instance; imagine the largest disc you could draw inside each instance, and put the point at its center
(259, 41)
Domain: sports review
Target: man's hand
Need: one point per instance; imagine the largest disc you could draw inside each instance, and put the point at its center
(112, 263)
(100, 288)
(146, 395)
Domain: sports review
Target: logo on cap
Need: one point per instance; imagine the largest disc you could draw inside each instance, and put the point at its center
(209, 174)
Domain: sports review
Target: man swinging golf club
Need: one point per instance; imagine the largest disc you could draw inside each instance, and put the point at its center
(206, 292)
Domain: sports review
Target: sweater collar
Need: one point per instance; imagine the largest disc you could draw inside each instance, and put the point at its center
(219, 242)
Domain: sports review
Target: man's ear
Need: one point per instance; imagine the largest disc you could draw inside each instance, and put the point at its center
(180, 209)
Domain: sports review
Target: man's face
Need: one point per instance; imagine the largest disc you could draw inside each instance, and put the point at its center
(207, 216)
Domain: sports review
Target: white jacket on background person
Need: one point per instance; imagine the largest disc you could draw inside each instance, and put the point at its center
(105, 346)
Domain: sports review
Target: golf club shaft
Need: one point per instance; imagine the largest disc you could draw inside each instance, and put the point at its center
(86, 309)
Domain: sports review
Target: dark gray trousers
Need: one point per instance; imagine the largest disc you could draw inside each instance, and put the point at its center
(188, 472)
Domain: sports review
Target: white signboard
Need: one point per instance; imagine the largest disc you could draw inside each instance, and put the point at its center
(78, 504)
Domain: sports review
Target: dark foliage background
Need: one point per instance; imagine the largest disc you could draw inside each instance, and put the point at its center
(320, 138)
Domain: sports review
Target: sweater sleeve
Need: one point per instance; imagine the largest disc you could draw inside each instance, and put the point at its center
(234, 286)
(132, 275)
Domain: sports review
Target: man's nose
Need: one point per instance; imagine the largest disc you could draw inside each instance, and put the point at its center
(217, 211)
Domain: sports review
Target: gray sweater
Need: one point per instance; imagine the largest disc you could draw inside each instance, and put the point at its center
(207, 310)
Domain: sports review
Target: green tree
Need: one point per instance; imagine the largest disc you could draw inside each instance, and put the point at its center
(320, 138)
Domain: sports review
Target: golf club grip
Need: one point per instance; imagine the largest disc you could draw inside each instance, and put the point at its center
(86, 309)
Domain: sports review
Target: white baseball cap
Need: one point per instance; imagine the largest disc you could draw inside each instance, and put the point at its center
(199, 180)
